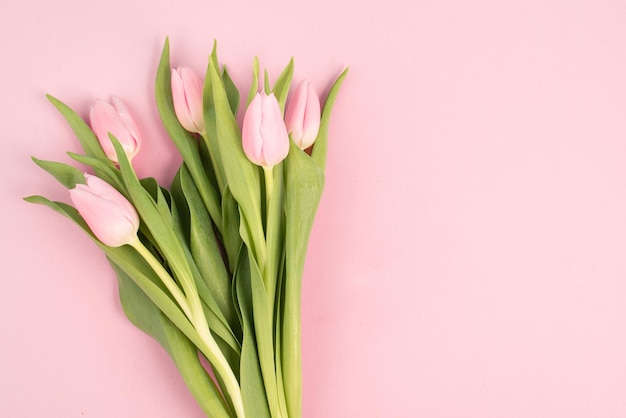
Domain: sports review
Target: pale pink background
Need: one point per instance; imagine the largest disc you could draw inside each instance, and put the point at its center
(469, 256)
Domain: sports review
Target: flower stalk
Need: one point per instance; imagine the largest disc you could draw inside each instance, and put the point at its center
(165, 277)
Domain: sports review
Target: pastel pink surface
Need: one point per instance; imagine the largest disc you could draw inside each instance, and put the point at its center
(468, 255)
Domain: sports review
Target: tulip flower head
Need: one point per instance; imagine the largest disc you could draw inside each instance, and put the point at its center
(112, 218)
(187, 95)
(303, 115)
(115, 118)
(264, 134)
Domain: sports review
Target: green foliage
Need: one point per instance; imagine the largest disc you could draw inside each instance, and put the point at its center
(216, 268)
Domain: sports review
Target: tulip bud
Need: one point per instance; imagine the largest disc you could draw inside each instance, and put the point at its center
(114, 118)
(264, 135)
(303, 115)
(111, 217)
(187, 95)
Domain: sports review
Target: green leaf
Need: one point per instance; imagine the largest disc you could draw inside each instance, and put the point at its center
(304, 183)
(230, 232)
(254, 87)
(321, 143)
(67, 175)
(184, 141)
(146, 316)
(281, 87)
(252, 388)
(205, 249)
(280, 302)
(105, 171)
(207, 162)
(210, 138)
(62, 208)
(186, 275)
(181, 219)
(231, 91)
(173, 312)
(263, 317)
(157, 223)
(152, 187)
(174, 251)
(267, 88)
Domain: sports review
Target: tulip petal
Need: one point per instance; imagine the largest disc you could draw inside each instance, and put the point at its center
(102, 117)
(303, 115)
(114, 118)
(295, 114)
(187, 96)
(273, 132)
(312, 118)
(111, 217)
(264, 135)
(193, 93)
(131, 141)
(180, 101)
(252, 140)
(103, 217)
(105, 191)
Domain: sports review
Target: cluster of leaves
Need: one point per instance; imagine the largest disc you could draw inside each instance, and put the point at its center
(220, 230)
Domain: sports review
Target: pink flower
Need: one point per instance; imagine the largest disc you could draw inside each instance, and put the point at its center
(111, 217)
(114, 118)
(264, 135)
(303, 115)
(187, 94)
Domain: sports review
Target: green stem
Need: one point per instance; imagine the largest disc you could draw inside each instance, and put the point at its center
(291, 346)
(211, 349)
(165, 277)
(215, 356)
(192, 307)
(268, 275)
(269, 187)
(273, 233)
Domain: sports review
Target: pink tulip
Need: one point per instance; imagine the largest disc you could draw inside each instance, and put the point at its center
(111, 217)
(264, 135)
(114, 118)
(187, 94)
(303, 115)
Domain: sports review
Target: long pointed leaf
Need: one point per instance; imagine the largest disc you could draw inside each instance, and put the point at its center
(252, 388)
(231, 91)
(230, 232)
(210, 137)
(67, 175)
(281, 87)
(263, 316)
(205, 249)
(321, 143)
(304, 182)
(105, 171)
(146, 316)
(254, 87)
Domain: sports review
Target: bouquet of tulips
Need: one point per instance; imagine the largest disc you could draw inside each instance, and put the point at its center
(211, 267)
